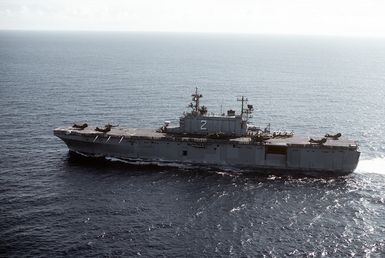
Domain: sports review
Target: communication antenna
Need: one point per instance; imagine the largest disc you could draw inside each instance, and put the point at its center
(244, 101)
(221, 112)
(195, 98)
(245, 108)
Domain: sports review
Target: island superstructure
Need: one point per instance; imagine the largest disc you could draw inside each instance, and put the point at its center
(224, 140)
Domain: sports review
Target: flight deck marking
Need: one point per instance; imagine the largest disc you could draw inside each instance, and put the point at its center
(121, 139)
(96, 137)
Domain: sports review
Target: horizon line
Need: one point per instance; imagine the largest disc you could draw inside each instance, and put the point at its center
(196, 32)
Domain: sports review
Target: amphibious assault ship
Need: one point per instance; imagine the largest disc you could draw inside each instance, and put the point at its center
(225, 140)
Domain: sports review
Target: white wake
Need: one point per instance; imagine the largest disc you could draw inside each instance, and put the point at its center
(376, 165)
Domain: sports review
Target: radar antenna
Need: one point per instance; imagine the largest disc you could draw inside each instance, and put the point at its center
(245, 108)
(195, 98)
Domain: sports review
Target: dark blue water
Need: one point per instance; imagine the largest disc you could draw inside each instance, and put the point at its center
(54, 205)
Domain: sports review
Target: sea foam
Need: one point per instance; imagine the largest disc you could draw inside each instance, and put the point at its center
(376, 165)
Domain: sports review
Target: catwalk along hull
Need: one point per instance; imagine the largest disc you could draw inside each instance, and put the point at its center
(288, 155)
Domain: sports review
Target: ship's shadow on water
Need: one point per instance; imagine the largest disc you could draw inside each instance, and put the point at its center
(106, 165)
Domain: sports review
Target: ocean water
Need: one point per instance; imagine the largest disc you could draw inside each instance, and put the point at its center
(55, 205)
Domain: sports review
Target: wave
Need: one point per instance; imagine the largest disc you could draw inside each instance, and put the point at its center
(159, 163)
(376, 165)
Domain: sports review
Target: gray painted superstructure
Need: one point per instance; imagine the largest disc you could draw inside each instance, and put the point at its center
(217, 141)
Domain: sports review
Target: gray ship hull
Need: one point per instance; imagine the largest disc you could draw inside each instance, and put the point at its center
(288, 156)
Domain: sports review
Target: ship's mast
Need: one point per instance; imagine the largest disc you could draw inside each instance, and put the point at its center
(248, 109)
(195, 97)
(244, 101)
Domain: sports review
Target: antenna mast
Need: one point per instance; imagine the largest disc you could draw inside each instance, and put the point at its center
(245, 109)
(195, 98)
(244, 101)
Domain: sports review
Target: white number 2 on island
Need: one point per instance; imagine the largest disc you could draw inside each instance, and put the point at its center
(203, 125)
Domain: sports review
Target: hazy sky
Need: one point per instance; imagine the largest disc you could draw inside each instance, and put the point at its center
(331, 17)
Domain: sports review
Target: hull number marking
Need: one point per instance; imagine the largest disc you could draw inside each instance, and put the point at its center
(203, 124)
